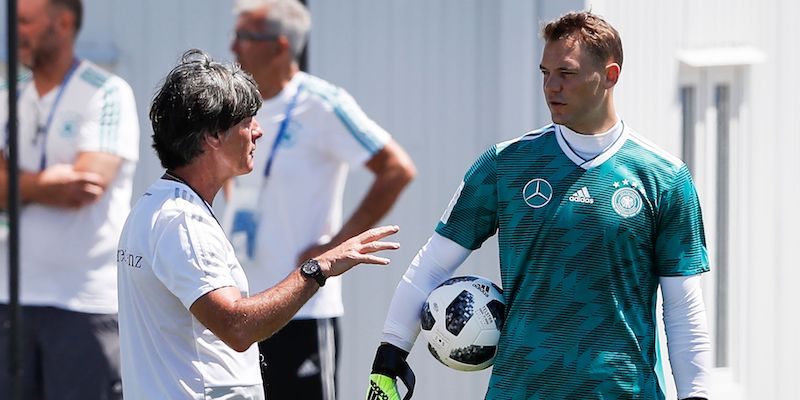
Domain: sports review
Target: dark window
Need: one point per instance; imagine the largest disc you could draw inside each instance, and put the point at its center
(722, 101)
(688, 123)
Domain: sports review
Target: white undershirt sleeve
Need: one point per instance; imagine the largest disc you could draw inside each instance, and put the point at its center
(434, 263)
(688, 340)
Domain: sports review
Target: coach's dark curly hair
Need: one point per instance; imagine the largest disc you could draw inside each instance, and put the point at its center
(199, 97)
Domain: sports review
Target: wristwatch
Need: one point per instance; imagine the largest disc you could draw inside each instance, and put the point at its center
(311, 269)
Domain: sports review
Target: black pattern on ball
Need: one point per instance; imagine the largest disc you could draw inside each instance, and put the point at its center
(459, 311)
(434, 353)
(462, 321)
(427, 320)
(497, 288)
(458, 279)
(473, 355)
(498, 311)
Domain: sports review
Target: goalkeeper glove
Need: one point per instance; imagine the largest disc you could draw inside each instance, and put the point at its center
(390, 363)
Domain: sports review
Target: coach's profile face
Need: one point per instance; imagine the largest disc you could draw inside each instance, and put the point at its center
(238, 145)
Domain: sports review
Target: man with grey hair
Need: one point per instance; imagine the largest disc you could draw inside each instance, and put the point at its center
(314, 132)
(188, 323)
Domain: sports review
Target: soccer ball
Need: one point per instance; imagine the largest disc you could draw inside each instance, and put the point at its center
(461, 320)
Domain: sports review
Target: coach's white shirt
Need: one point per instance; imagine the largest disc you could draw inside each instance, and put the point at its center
(172, 251)
(67, 255)
(300, 202)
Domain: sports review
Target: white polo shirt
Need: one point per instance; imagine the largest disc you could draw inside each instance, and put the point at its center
(173, 251)
(67, 256)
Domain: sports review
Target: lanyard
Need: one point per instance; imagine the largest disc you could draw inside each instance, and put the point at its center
(43, 130)
(282, 130)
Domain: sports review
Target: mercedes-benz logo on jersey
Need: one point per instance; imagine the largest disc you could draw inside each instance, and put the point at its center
(537, 193)
(626, 202)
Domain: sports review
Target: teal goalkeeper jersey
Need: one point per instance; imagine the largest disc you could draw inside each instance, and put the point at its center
(582, 246)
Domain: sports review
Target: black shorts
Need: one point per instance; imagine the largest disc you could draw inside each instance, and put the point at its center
(299, 361)
(65, 354)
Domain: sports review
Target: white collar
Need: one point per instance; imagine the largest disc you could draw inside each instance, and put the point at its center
(590, 145)
(591, 150)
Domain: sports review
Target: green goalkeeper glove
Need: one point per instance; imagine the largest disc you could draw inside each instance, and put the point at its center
(390, 363)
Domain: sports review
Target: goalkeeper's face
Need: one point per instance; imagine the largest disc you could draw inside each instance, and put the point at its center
(576, 86)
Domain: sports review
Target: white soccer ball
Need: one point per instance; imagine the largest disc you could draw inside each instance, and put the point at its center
(461, 320)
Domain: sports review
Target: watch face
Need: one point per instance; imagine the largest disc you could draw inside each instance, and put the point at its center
(310, 267)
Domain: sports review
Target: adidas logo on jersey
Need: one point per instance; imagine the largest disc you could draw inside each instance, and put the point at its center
(582, 196)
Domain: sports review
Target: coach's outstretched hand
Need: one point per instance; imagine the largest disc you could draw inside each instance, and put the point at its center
(390, 363)
(358, 250)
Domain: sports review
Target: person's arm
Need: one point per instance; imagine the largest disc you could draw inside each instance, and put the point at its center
(240, 322)
(681, 257)
(688, 340)
(469, 219)
(64, 185)
(104, 165)
(434, 263)
(393, 170)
